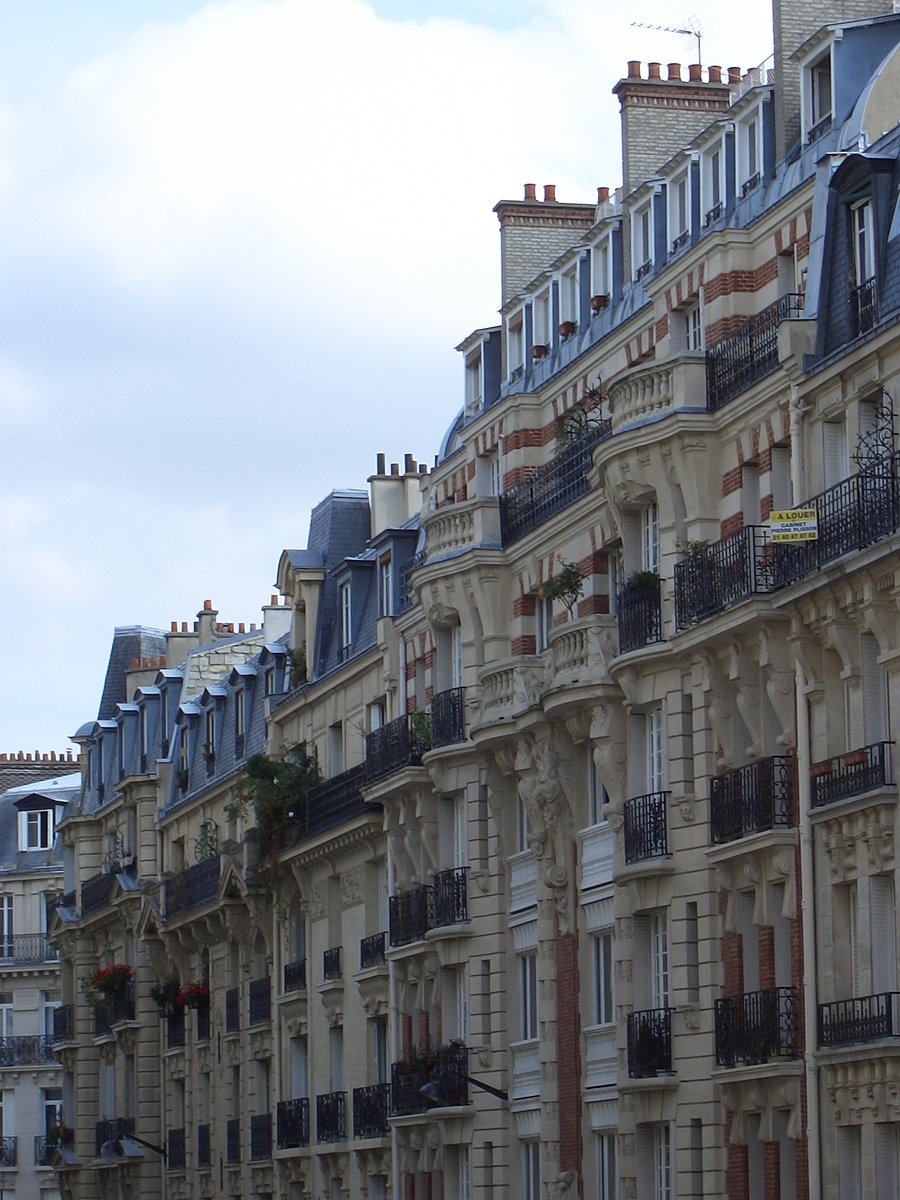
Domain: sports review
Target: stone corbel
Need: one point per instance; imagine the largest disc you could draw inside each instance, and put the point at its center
(718, 691)
(610, 748)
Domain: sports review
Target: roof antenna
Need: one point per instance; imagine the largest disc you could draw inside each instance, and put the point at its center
(693, 30)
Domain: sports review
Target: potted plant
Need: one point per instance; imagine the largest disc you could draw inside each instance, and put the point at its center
(420, 728)
(165, 996)
(111, 980)
(538, 351)
(194, 995)
(566, 329)
(566, 585)
(599, 302)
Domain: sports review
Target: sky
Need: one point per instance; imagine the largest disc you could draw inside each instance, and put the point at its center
(239, 241)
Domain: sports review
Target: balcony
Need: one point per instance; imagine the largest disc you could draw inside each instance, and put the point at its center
(331, 1117)
(757, 1026)
(260, 1137)
(408, 918)
(233, 1010)
(370, 1110)
(448, 724)
(64, 1023)
(851, 774)
(96, 892)
(650, 1043)
(175, 1150)
(175, 1029)
(646, 827)
(44, 1150)
(551, 488)
(116, 1008)
(863, 309)
(371, 951)
(407, 595)
(639, 614)
(295, 976)
(749, 354)
(862, 1019)
(449, 897)
(197, 885)
(446, 1067)
(714, 577)
(204, 1157)
(26, 948)
(9, 1152)
(260, 1001)
(292, 1123)
(331, 964)
(336, 801)
(463, 525)
(25, 1050)
(394, 746)
(233, 1141)
(751, 799)
(112, 1131)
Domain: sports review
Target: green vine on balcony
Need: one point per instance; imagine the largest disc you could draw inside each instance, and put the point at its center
(581, 421)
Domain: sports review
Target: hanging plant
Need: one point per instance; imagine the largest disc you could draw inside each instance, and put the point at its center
(165, 996)
(106, 982)
(193, 995)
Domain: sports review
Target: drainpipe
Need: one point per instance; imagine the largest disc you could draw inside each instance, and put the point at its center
(796, 411)
(808, 928)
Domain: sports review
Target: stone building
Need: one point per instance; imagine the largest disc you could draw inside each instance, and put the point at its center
(541, 842)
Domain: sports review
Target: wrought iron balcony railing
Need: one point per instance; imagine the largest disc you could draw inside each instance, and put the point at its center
(862, 1019)
(331, 1117)
(44, 1150)
(649, 1043)
(9, 1151)
(446, 1067)
(260, 1137)
(115, 1008)
(111, 1131)
(96, 892)
(863, 308)
(295, 976)
(639, 615)
(175, 1028)
(448, 723)
(752, 798)
(331, 963)
(407, 596)
(26, 948)
(292, 1121)
(757, 1026)
(204, 1156)
(175, 1150)
(749, 354)
(449, 897)
(25, 1049)
(260, 1001)
(195, 886)
(551, 488)
(233, 1140)
(371, 1106)
(64, 1023)
(333, 802)
(714, 577)
(851, 774)
(645, 827)
(395, 745)
(371, 951)
(233, 1010)
(408, 918)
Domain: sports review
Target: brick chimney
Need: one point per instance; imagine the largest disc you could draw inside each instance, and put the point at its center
(534, 232)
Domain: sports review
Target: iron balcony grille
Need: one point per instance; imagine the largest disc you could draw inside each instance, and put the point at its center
(175, 1150)
(260, 1001)
(863, 309)
(233, 1140)
(639, 615)
(370, 1110)
(295, 976)
(446, 1068)
(260, 1137)
(751, 798)
(649, 1043)
(448, 725)
(449, 897)
(371, 951)
(331, 1117)
(757, 1026)
(646, 827)
(333, 802)
(117, 1007)
(26, 948)
(851, 774)
(18, 1051)
(392, 747)
(44, 1150)
(407, 595)
(292, 1120)
(331, 963)
(204, 1157)
(9, 1151)
(749, 354)
(197, 885)
(112, 1131)
(175, 1028)
(64, 1023)
(232, 1010)
(408, 916)
(862, 1019)
(551, 488)
(714, 577)
(95, 892)
(819, 129)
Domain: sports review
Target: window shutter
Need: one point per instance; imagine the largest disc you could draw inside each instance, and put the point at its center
(641, 961)
(883, 933)
(874, 696)
(886, 1176)
(834, 452)
(848, 1142)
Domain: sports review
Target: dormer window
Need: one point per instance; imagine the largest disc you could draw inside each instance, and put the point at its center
(749, 155)
(209, 740)
(515, 346)
(568, 296)
(346, 619)
(36, 824)
(239, 722)
(601, 284)
(641, 243)
(542, 336)
(679, 212)
(474, 389)
(863, 299)
(385, 586)
(164, 721)
(818, 105)
(712, 185)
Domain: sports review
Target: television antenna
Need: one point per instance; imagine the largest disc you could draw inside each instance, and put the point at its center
(693, 29)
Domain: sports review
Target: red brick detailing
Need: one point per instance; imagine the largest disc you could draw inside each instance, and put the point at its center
(764, 457)
(732, 525)
(405, 1033)
(766, 504)
(590, 605)
(731, 481)
(771, 1171)
(568, 1041)
(409, 1186)
(662, 328)
(524, 645)
(737, 1174)
(425, 1190)
(521, 439)
(422, 1029)
(732, 964)
(597, 563)
(801, 1150)
(766, 944)
(754, 442)
(523, 606)
(470, 470)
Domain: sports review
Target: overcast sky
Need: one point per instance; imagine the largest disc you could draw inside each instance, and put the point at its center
(238, 243)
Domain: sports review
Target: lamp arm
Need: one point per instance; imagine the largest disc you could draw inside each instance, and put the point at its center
(487, 1087)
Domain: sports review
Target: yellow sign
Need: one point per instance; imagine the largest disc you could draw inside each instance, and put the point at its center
(794, 525)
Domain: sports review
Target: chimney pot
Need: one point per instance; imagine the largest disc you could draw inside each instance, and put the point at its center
(207, 605)
(184, 627)
(549, 193)
(395, 468)
(162, 660)
(274, 600)
(653, 70)
(634, 68)
(715, 74)
(529, 191)
(379, 464)
(695, 73)
(173, 626)
(602, 195)
(674, 71)
(409, 464)
(241, 628)
(252, 626)
(734, 75)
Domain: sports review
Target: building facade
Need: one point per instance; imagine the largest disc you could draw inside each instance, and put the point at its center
(540, 843)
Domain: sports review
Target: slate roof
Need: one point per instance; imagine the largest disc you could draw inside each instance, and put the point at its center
(129, 642)
(62, 789)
